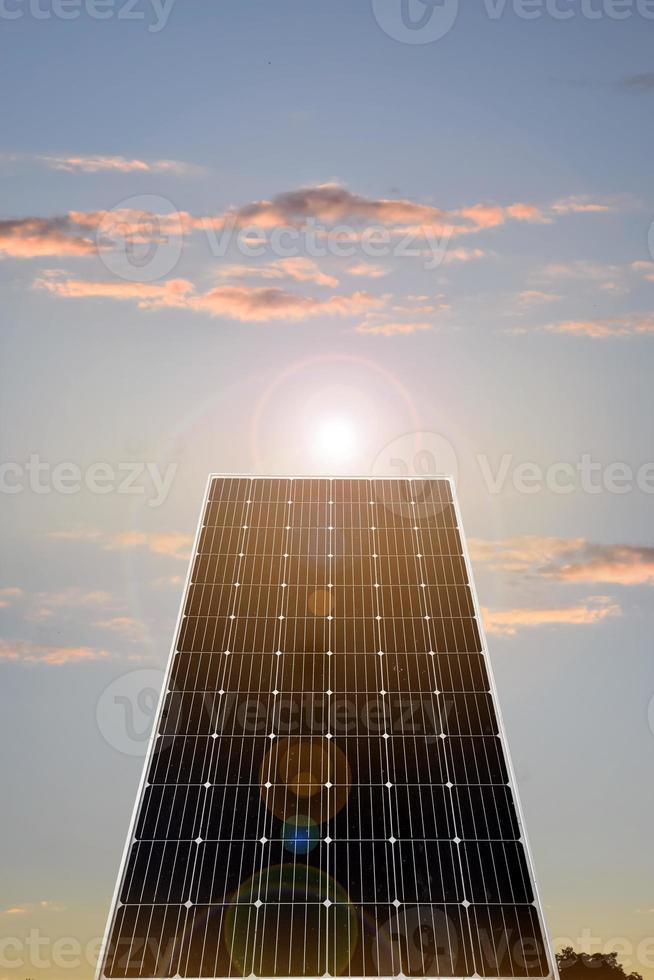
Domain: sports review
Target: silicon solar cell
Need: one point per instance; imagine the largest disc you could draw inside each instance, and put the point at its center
(327, 791)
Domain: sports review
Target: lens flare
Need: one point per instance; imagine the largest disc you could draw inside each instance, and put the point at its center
(300, 835)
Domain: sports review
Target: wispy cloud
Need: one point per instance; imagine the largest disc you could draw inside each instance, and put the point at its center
(171, 293)
(126, 626)
(567, 559)
(609, 278)
(236, 302)
(21, 651)
(9, 595)
(462, 254)
(508, 622)
(415, 314)
(50, 603)
(367, 270)
(530, 298)
(644, 269)
(639, 83)
(171, 544)
(28, 907)
(298, 268)
(103, 163)
(582, 204)
(392, 328)
(605, 329)
(168, 581)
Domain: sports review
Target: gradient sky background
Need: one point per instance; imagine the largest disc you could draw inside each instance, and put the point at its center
(533, 339)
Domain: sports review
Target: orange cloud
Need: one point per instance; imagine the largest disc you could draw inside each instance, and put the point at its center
(333, 203)
(567, 559)
(32, 906)
(329, 203)
(9, 595)
(405, 317)
(507, 622)
(168, 581)
(522, 553)
(128, 627)
(75, 535)
(28, 653)
(146, 295)
(103, 163)
(619, 564)
(536, 297)
(391, 329)
(484, 215)
(605, 329)
(610, 278)
(298, 268)
(645, 269)
(263, 304)
(27, 238)
(581, 204)
(526, 212)
(172, 544)
(462, 255)
(244, 303)
(367, 269)
(73, 598)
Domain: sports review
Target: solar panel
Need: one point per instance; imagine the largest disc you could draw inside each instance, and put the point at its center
(327, 792)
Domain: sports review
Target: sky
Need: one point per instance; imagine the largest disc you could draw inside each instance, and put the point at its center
(305, 238)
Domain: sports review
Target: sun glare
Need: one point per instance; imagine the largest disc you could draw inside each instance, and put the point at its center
(335, 439)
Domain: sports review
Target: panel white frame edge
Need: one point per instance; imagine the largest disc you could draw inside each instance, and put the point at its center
(554, 974)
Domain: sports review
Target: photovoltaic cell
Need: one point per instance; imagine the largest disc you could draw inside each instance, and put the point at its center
(327, 791)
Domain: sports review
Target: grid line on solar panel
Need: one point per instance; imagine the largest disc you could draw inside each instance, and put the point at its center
(362, 586)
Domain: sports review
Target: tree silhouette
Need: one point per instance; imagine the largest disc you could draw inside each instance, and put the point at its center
(591, 966)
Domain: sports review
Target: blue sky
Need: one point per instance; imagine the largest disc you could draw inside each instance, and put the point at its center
(519, 149)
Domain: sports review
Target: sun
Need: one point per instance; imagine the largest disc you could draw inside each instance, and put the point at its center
(335, 439)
